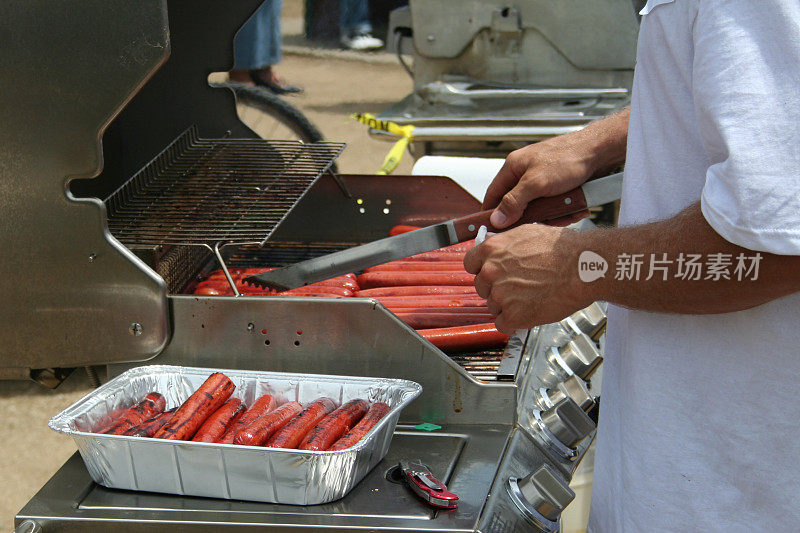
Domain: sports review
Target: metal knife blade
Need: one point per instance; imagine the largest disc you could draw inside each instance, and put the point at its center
(357, 258)
(590, 194)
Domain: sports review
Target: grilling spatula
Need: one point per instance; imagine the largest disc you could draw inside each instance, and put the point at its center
(590, 194)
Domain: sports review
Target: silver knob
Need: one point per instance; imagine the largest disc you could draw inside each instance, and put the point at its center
(573, 387)
(578, 356)
(591, 321)
(567, 422)
(541, 496)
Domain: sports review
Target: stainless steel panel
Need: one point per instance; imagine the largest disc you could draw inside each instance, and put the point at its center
(76, 295)
(348, 336)
(226, 470)
(464, 457)
(569, 43)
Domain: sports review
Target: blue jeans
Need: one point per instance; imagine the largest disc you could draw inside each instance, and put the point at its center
(354, 17)
(257, 44)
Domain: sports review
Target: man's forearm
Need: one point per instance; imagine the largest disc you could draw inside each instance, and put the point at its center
(685, 235)
(607, 141)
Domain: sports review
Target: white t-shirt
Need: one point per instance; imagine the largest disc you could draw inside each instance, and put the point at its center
(700, 419)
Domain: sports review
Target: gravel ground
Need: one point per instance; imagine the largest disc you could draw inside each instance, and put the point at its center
(336, 84)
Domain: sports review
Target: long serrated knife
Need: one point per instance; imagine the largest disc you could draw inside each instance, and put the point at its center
(591, 194)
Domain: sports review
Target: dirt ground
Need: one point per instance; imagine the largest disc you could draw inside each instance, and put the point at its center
(336, 84)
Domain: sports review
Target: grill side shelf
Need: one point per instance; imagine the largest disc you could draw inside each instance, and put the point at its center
(216, 191)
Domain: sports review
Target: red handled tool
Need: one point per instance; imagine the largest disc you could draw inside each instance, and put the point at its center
(427, 487)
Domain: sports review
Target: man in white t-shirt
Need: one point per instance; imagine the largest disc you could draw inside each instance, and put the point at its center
(700, 420)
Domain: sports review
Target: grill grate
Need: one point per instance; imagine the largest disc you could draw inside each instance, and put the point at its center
(482, 365)
(218, 191)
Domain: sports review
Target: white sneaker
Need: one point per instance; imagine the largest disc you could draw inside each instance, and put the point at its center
(361, 42)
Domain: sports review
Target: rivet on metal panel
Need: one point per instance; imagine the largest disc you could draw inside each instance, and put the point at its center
(471, 227)
(92, 257)
(567, 201)
(135, 329)
(431, 38)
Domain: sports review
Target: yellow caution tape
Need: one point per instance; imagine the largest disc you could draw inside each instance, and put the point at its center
(395, 155)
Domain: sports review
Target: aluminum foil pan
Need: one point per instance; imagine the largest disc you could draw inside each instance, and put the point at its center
(227, 470)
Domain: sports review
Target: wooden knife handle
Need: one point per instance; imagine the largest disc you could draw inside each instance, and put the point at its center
(538, 210)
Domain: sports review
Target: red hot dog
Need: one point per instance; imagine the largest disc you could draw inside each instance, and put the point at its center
(260, 407)
(290, 435)
(376, 411)
(149, 427)
(216, 424)
(261, 429)
(465, 338)
(333, 426)
(152, 404)
(214, 392)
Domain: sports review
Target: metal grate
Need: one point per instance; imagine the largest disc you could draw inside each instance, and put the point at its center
(277, 254)
(482, 365)
(216, 191)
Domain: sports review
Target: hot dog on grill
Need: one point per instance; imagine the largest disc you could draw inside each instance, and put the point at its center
(374, 414)
(290, 435)
(214, 392)
(416, 290)
(465, 338)
(369, 280)
(329, 429)
(261, 429)
(443, 319)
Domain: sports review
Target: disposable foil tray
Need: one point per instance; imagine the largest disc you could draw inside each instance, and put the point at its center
(227, 470)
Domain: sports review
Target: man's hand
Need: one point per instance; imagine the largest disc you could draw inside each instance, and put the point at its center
(555, 166)
(529, 275)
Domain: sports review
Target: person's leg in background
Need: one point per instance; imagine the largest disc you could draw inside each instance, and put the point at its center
(355, 28)
(257, 48)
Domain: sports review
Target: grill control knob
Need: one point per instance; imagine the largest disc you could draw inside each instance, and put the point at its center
(574, 388)
(567, 422)
(541, 496)
(591, 321)
(578, 356)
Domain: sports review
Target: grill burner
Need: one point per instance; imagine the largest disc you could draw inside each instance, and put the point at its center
(207, 192)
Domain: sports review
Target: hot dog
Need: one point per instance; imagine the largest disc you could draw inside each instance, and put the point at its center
(290, 435)
(444, 319)
(438, 256)
(329, 429)
(415, 290)
(149, 427)
(376, 411)
(261, 429)
(152, 404)
(260, 407)
(216, 424)
(214, 392)
(418, 266)
(465, 338)
(369, 280)
(444, 301)
(401, 228)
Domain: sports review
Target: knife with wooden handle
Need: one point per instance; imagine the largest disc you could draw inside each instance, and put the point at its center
(591, 194)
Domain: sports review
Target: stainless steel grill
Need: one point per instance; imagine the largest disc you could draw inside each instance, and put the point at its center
(216, 191)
